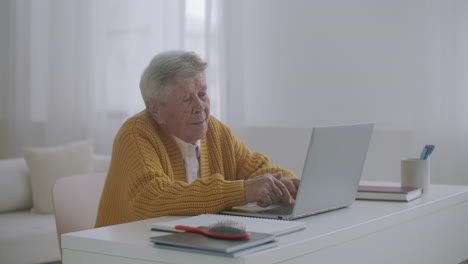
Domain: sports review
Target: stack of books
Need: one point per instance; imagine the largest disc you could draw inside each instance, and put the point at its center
(262, 236)
(388, 193)
(198, 243)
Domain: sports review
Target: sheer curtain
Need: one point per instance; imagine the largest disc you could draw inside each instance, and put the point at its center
(72, 67)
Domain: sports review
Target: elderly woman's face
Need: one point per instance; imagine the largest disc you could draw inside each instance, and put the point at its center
(187, 108)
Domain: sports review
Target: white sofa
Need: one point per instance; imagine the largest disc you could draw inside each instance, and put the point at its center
(26, 237)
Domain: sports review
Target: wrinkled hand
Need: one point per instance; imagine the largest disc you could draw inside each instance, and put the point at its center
(268, 189)
(292, 184)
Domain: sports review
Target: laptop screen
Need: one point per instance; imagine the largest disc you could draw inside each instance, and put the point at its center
(333, 167)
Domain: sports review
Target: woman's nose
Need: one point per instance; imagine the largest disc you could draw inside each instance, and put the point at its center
(198, 105)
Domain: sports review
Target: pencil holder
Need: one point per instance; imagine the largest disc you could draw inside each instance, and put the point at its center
(415, 173)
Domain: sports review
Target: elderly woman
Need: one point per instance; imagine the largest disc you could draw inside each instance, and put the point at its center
(175, 159)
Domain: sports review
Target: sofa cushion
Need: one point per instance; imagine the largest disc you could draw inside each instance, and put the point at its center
(46, 165)
(28, 238)
(15, 189)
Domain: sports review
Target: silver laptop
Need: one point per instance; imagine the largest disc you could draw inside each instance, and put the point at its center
(331, 175)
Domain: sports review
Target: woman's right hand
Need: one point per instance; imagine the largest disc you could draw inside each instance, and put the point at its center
(267, 189)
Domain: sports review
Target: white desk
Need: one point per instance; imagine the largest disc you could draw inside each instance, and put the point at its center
(432, 229)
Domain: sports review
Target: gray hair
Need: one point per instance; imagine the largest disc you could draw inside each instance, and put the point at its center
(167, 68)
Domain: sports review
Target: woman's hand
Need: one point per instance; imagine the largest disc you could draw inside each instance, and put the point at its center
(268, 189)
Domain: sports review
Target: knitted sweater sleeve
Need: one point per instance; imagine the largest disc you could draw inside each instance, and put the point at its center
(146, 177)
(154, 190)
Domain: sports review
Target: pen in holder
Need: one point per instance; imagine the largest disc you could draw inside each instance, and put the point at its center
(416, 172)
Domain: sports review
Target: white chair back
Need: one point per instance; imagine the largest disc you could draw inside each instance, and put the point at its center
(76, 199)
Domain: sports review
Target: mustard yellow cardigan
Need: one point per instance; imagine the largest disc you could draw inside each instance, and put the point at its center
(147, 176)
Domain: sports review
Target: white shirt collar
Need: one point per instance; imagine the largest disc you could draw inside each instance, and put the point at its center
(191, 154)
(188, 149)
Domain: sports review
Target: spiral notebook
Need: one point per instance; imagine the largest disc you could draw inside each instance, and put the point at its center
(260, 225)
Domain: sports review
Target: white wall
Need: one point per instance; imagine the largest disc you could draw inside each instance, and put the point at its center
(303, 63)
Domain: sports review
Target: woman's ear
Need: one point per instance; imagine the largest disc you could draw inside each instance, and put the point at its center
(154, 109)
